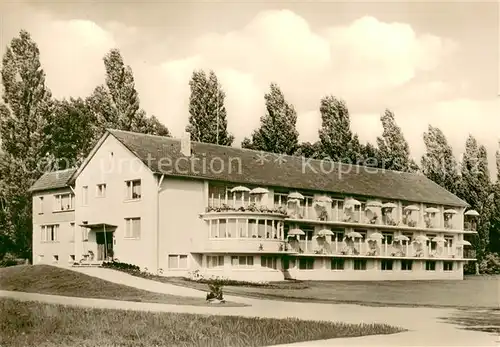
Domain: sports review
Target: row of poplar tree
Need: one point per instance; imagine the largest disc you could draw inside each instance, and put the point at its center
(37, 128)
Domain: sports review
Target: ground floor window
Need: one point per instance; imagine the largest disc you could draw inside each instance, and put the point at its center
(406, 265)
(338, 264)
(448, 266)
(360, 264)
(430, 265)
(306, 263)
(387, 265)
(56, 258)
(72, 257)
(269, 262)
(177, 261)
(242, 261)
(214, 261)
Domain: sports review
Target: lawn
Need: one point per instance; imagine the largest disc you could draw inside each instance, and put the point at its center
(46, 325)
(479, 320)
(472, 292)
(45, 279)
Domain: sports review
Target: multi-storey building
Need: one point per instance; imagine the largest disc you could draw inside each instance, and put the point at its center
(174, 206)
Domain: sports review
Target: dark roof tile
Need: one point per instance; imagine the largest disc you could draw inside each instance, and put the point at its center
(162, 155)
(53, 180)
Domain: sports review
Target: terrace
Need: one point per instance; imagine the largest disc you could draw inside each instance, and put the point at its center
(356, 244)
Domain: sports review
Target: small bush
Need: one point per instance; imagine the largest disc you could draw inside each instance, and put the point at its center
(215, 285)
(121, 266)
(11, 260)
(490, 264)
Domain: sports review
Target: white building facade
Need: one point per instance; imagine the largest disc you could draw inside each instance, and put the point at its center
(175, 206)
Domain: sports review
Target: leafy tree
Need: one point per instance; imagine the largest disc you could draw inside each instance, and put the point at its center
(26, 106)
(370, 156)
(476, 189)
(277, 132)
(336, 138)
(495, 218)
(208, 117)
(309, 150)
(439, 163)
(71, 131)
(475, 183)
(116, 104)
(394, 150)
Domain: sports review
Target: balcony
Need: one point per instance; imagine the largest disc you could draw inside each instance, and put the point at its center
(251, 208)
(245, 245)
(371, 249)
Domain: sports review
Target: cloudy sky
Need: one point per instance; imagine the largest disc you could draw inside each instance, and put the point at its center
(434, 63)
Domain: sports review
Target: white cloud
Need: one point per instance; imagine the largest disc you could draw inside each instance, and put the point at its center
(71, 55)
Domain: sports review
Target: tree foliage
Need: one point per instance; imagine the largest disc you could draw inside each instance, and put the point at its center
(438, 162)
(27, 104)
(277, 132)
(116, 104)
(71, 130)
(336, 138)
(394, 151)
(208, 117)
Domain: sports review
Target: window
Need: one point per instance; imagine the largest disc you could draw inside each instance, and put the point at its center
(40, 205)
(308, 232)
(56, 258)
(177, 261)
(406, 265)
(215, 261)
(71, 257)
(269, 262)
(338, 264)
(64, 202)
(388, 236)
(449, 240)
(386, 265)
(431, 243)
(101, 190)
(49, 233)
(448, 266)
(338, 235)
(242, 261)
(360, 264)
(72, 232)
(410, 236)
(306, 263)
(85, 234)
(133, 189)
(242, 228)
(280, 199)
(222, 228)
(213, 228)
(132, 228)
(85, 195)
(430, 265)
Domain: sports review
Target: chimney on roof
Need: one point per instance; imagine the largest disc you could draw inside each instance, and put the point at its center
(186, 144)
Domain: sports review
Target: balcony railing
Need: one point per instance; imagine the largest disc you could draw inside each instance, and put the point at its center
(331, 214)
(365, 248)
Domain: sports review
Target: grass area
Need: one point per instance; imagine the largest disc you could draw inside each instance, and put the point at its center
(478, 320)
(44, 325)
(46, 279)
(474, 292)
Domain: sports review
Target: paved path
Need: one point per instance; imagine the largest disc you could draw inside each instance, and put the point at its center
(424, 324)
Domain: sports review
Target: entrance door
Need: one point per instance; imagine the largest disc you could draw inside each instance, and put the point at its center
(104, 242)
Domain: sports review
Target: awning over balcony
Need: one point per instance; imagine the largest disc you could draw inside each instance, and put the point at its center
(99, 226)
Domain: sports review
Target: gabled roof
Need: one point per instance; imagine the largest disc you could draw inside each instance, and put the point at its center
(162, 155)
(53, 180)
